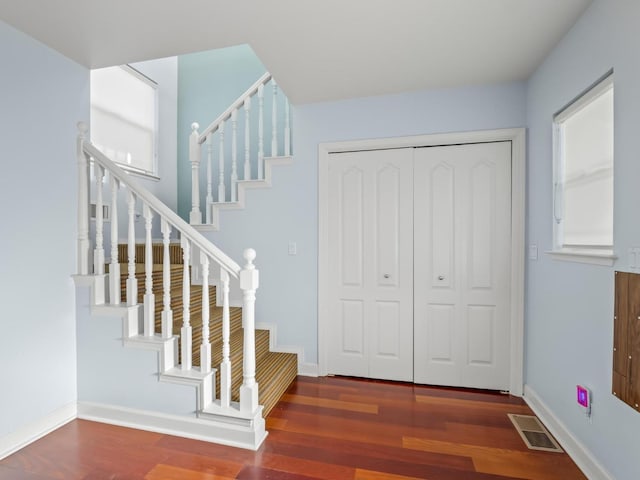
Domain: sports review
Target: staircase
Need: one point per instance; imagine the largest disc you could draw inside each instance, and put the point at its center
(174, 298)
(275, 371)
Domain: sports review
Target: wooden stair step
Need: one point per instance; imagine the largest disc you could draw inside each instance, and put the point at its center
(275, 372)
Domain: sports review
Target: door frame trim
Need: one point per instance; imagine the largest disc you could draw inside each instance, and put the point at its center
(517, 137)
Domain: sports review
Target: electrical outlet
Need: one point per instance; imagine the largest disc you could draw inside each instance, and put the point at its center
(293, 248)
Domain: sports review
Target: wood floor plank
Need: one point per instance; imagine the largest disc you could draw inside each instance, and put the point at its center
(531, 465)
(369, 475)
(168, 472)
(330, 403)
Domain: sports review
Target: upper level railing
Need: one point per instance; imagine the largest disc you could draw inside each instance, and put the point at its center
(91, 244)
(237, 128)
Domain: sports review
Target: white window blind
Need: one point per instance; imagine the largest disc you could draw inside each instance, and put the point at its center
(124, 117)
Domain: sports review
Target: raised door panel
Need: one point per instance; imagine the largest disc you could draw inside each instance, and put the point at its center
(485, 234)
(461, 272)
(391, 265)
(435, 304)
(370, 264)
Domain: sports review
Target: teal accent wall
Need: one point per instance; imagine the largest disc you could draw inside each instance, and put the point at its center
(208, 82)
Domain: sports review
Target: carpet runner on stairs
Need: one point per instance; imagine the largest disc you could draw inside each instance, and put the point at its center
(275, 371)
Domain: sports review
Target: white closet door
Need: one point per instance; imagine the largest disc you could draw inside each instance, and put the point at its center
(371, 264)
(462, 262)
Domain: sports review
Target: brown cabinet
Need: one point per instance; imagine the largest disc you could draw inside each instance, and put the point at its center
(626, 339)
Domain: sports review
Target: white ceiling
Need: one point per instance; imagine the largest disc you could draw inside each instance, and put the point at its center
(317, 49)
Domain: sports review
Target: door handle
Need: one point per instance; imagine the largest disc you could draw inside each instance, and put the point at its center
(386, 275)
(440, 277)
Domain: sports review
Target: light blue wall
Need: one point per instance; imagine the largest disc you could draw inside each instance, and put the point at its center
(208, 82)
(569, 311)
(42, 96)
(289, 211)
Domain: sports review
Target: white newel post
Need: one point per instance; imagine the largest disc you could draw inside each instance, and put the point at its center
(167, 313)
(274, 121)
(205, 347)
(225, 366)
(221, 190)
(234, 154)
(195, 217)
(114, 267)
(132, 281)
(185, 331)
(249, 284)
(260, 132)
(98, 252)
(83, 202)
(149, 297)
(209, 178)
(247, 139)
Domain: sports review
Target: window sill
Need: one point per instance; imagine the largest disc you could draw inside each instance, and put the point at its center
(605, 258)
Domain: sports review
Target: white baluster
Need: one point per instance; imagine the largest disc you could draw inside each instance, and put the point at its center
(274, 121)
(83, 202)
(247, 139)
(195, 217)
(221, 190)
(225, 366)
(260, 175)
(205, 347)
(167, 313)
(186, 338)
(149, 297)
(249, 280)
(209, 178)
(132, 282)
(98, 252)
(234, 154)
(114, 267)
(287, 128)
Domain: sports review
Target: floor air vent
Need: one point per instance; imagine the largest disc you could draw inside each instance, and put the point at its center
(533, 433)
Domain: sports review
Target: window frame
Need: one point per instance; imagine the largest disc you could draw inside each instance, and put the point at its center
(583, 253)
(154, 174)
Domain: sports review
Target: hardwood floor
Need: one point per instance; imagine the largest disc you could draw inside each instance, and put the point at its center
(323, 428)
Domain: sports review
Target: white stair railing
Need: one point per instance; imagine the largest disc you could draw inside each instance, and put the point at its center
(242, 132)
(153, 210)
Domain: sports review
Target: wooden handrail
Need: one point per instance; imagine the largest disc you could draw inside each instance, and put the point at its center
(226, 262)
(234, 106)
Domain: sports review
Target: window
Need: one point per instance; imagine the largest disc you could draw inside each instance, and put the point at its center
(124, 117)
(583, 174)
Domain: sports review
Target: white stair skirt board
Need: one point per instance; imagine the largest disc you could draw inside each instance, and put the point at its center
(213, 223)
(574, 448)
(236, 430)
(215, 431)
(35, 430)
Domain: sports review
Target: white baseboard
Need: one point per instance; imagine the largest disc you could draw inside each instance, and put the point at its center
(574, 448)
(188, 427)
(308, 369)
(35, 430)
